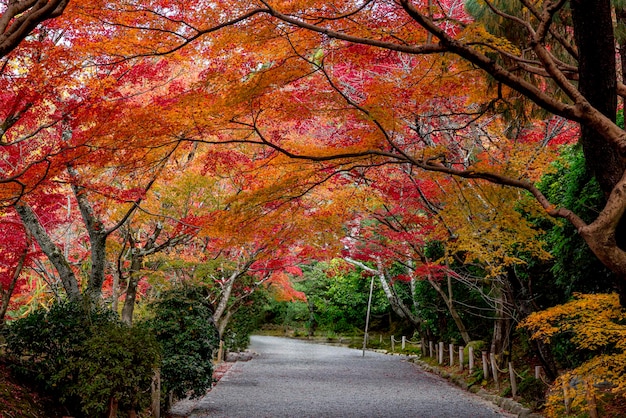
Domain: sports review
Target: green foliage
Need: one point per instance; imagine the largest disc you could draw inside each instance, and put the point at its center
(244, 321)
(575, 268)
(116, 362)
(532, 390)
(84, 357)
(337, 299)
(183, 325)
(42, 345)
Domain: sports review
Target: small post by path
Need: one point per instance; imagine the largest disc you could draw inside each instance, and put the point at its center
(220, 352)
(440, 352)
(494, 369)
(471, 358)
(566, 400)
(485, 365)
(451, 347)
(461, 359)
(513, 381)
(155, 388)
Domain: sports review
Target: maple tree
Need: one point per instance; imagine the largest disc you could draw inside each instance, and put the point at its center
(548, 61)
(246, 238)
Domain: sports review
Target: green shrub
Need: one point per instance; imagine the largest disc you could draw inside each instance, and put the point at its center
(83, 356)
(42, 346)
(183, 325)
(117, 362)
(244, 322)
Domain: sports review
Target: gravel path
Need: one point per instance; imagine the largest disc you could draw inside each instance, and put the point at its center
(290, 378)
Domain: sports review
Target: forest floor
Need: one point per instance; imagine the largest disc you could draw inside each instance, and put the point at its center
(19, 401)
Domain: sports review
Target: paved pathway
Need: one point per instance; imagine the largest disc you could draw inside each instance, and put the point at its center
(290, 378)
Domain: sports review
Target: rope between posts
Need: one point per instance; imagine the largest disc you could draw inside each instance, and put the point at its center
(544, 380)
(498, 369)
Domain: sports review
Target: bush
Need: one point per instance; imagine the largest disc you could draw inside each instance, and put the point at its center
(183, 325)
(43, 345)
(83, 357)
(117, 362)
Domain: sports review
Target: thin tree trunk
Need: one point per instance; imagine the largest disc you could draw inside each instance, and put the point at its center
(50, 249)
(223, 303)
(447, 299)
(131, 289)
(396, 304)
(8, 292)
(223, 323)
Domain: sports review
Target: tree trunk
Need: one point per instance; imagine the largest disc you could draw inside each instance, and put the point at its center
(131, 290)
(98, 235)
(447, 299)
(8, 292)
(50, 249)
(593, 33)
(499, 330)
(223, 322)
(113, 404)
(223, 303)
(397, 305)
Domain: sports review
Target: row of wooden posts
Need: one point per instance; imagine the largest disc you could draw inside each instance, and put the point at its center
(488, 360)
(490, 368)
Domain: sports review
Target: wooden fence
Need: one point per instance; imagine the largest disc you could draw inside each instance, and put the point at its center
(447, 355)
(451, 355)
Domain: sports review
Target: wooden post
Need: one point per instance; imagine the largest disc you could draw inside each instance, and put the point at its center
(566, 399)
(155, 389)
(537, 372)
(403, 342)
(393, 345)
(494, 370)
(485, 365)
(451, 347)
(440, 352)
(430, 348)
(591, 400)
(423, 346)
(220, 352)
(461, 359)
(513, 381)
(471, 359)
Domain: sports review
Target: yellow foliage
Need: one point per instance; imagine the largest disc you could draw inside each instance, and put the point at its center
(485, 41)
(596, 323)
(489, 225)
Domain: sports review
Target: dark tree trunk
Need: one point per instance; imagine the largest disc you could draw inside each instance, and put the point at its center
(131, 291)
(593, 32)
